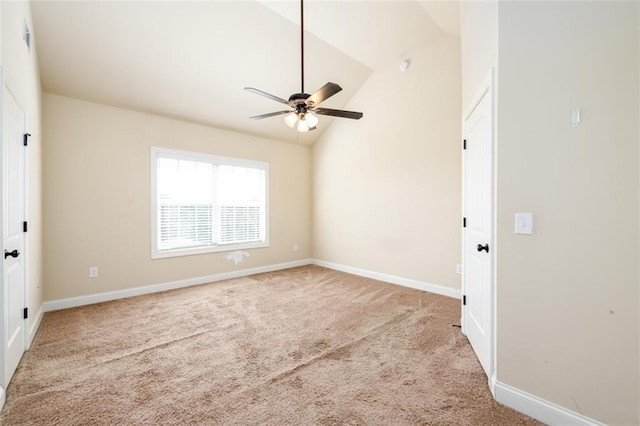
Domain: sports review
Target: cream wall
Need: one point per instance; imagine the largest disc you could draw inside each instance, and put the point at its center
(387, 188)
(3, 26)
(97, 197)
(479, 46)
(21, 66)
(567, 296)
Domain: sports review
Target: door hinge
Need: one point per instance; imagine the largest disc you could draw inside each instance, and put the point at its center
(26, 139)
(464, 222)
(26, 313)
(24, 226)
(464, 144)
(464, 300)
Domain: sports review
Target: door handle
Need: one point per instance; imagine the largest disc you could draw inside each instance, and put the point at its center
(14, 253)
(483, 247)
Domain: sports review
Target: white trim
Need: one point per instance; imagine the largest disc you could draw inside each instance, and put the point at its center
(492, 384)
(34, 326)
(3, 397)
(486, 89)
(54, 305)
(26, 252)
(157, 152)
(7, 86)
(538, 408)
(208, 249)
(392, 279)
(73, 302)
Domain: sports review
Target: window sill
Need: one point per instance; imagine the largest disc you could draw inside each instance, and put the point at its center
(204, 250)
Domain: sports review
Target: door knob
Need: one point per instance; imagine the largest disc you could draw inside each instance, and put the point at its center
(483, 247)
(14, 253)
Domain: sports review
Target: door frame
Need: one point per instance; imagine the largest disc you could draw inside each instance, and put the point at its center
(7, 86)
(487, 88)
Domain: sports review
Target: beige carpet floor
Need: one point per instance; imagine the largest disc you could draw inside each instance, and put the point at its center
(305, 346)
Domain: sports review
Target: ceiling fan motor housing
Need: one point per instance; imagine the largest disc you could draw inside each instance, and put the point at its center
(299, 99)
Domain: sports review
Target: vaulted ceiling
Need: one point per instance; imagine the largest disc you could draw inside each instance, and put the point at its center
(191, 60)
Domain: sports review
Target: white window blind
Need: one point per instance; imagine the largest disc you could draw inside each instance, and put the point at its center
(206, 203)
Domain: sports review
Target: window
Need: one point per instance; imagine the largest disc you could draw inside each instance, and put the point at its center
(203, 203)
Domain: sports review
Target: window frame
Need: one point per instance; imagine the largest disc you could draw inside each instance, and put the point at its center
(202, 157)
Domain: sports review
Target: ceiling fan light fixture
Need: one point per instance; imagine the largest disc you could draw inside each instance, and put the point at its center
(291, 119)
(303, 126)
(311, 119)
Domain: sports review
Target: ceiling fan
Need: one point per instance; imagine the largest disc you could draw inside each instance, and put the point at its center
(304, 107)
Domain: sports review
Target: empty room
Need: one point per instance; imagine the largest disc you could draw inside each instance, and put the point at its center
(320, 212)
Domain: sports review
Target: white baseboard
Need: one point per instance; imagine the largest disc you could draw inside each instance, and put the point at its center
(34, 325)
(419, 285)
(540, 409)
(3, 397)
(55, 305)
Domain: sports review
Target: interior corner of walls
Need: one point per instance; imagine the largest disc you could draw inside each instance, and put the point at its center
(391, 279)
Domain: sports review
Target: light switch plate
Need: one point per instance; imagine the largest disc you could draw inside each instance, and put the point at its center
(93, 272)
(524, 223)
(575, 117)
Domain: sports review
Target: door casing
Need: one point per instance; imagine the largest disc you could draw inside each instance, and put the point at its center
(7, 88)
(486, 89)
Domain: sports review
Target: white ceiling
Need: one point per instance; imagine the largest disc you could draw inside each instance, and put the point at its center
(191, 60)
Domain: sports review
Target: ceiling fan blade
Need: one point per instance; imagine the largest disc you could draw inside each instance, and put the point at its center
(266, 95)
(323, 93)
(338, 113)
(271, 114)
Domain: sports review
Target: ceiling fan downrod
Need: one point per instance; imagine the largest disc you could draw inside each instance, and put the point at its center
(302, 46)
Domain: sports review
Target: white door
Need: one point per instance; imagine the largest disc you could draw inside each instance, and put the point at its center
(13, 214)
(477, 309)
